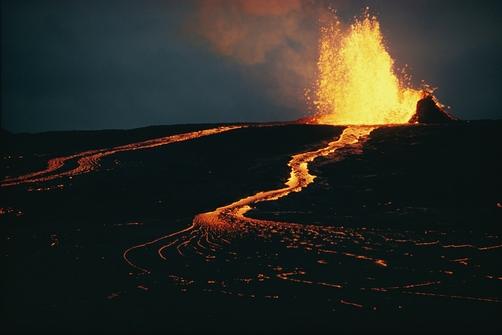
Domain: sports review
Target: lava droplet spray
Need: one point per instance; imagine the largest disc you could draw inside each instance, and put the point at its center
(357, 83)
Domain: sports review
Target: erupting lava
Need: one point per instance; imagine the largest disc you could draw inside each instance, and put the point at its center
(357, 83)
(357, 86)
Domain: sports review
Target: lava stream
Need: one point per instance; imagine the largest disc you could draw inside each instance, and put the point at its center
(210, 253)
(88, 161)
(232, 217)
(299, 178)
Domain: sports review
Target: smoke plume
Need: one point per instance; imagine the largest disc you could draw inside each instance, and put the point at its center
(274, 41)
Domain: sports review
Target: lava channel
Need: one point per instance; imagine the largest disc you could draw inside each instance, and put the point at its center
(88, 161)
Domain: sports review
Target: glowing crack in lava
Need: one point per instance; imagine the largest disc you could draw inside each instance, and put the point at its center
(88, 161)
(357, 83)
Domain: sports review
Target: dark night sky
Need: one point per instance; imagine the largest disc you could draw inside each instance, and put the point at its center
(124, 64)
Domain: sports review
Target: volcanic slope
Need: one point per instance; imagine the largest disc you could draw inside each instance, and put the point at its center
(374, 236)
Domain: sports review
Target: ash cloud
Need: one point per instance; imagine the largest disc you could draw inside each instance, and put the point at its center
(274, 41)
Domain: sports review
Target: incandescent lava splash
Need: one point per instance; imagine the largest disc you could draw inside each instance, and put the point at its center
(357, 83)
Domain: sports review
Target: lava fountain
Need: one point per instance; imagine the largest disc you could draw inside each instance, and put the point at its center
(357, 87)
(357, 83)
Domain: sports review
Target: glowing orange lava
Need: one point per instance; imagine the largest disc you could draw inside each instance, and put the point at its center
(357, 83)
(232, 217)
(209, 243)
(88, 161)
(299, 178)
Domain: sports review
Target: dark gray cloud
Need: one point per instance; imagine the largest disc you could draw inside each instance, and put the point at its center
(122, 64)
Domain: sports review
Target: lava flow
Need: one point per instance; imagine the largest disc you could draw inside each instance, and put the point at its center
(356, 86)
(231, 217)
(227, 251)
(88, 161)
(299, 178)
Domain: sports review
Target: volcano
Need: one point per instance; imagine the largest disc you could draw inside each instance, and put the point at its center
(358, 218)
(430, 111)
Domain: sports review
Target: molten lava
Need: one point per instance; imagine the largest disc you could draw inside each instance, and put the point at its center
(357, 83)
(88, 161)
(231, 217)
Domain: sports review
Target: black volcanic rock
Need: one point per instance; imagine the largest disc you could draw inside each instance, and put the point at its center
(428, 111)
